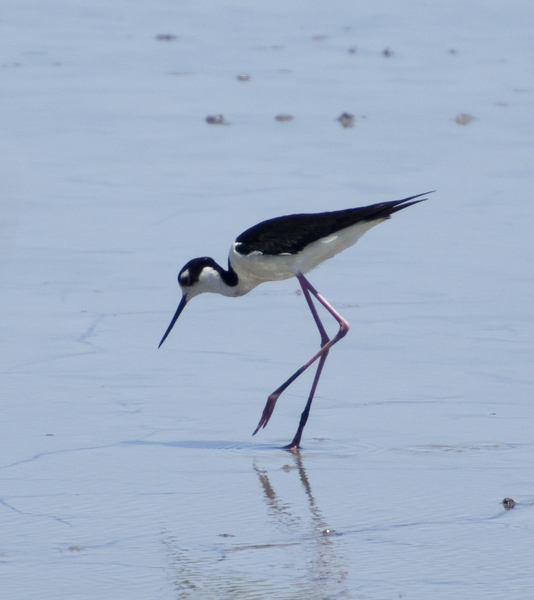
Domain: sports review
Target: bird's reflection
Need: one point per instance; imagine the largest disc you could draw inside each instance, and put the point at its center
(326, 572)
(303, 559)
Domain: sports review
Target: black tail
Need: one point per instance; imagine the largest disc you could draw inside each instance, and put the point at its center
(385, 209)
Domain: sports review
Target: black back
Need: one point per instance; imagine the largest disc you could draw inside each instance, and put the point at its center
(292, 233)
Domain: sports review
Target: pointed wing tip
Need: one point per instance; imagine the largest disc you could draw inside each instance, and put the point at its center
(418, 196)
(425, 194)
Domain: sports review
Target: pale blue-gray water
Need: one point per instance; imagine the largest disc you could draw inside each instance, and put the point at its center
(130, 472)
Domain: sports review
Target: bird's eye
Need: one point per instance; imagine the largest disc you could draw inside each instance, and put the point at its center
(183, 278)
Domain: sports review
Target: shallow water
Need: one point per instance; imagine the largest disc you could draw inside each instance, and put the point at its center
(130, 472)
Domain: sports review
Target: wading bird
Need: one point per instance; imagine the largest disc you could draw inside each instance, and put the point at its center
(282, 248)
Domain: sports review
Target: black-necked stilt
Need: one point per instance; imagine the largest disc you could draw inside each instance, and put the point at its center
(278, 249)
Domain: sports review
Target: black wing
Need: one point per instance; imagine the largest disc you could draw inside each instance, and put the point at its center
(292, 233)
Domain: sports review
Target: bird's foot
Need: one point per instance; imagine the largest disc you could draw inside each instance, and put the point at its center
(267, 411)
(295, 448)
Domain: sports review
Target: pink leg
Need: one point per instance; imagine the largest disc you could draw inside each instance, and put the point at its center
(326, 344)
(324, 336)
(295, 444)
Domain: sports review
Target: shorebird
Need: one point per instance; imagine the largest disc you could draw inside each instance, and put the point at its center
(282, 248)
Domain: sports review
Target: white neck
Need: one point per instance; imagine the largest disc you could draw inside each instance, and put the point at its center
(210, 280)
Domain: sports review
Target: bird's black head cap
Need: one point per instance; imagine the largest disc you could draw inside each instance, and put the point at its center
(190, 272)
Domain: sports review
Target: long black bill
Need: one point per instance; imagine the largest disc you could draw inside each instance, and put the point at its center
(181, 307)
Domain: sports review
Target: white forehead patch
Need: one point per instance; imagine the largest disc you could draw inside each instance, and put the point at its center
(184, 274)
